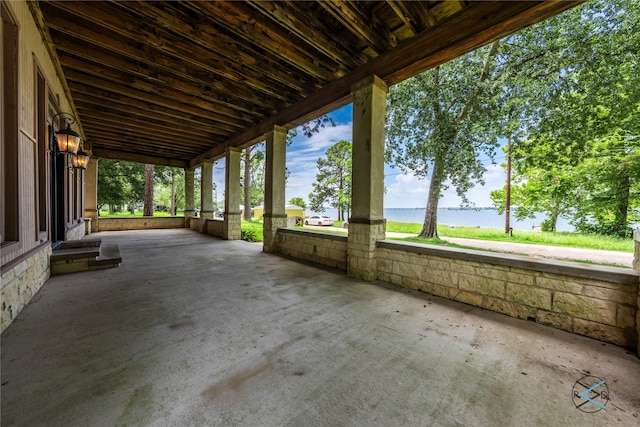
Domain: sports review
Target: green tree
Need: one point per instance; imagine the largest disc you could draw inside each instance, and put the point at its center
(440, 121)
(541, 187)
(169, 188)
(298, 201)
(609, 186)
(582, 112)
(120, 183)
(566, 81)
(333, 181)
(253, 159)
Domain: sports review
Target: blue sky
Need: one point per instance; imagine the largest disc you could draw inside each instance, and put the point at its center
(403, 191)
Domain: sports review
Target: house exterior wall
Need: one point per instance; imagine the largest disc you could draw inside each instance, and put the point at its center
(25, 264)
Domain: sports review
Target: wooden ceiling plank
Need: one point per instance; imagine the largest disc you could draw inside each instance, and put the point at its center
(226, 46)
(251, 100)
(165, 84)
(95, 100)
(360, 22)
(403, 14)
(116, 76)
(304, 27)
(140, 123)
(420, 14)
(113, 133)
(139, 158)
(126, 95)
(249, 28)
(231, 77)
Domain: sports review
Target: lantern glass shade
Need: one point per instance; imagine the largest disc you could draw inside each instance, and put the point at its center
(68, 141)
(80, 160)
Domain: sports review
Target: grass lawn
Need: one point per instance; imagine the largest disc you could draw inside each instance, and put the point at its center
(252, 231)
(575, 240)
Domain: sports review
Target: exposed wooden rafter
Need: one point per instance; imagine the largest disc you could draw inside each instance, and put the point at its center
(175, 83)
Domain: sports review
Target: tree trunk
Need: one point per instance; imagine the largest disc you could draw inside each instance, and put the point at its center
(623, 205)
(430, 226)
(148, 190)
(554, 221)
(173, 194)
(247, 183)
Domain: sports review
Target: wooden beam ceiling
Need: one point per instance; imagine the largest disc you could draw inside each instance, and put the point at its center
(175, 83)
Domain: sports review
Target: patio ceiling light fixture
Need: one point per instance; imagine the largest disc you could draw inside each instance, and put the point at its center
(68, 140)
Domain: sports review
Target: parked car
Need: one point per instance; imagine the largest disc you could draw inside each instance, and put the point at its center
(318, 220)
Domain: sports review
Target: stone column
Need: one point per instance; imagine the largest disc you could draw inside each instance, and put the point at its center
(206, 194)
(232, 217)
(367, 223)
(91, 193)
(189, 210)
(275, 215)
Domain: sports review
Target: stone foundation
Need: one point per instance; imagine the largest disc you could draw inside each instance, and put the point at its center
(143, 223)
(21, 281)
(320, 248)
(76, 232)
(214, 227)
(596, 301)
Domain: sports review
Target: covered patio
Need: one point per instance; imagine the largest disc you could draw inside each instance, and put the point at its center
(194, 330)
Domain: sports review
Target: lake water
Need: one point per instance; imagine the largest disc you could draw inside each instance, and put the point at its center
(488, 218)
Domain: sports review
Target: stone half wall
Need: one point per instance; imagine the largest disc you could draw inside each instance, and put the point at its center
(143, 223)
(214, 227)
(320, 248)
(21, 280)
(595, 301)
(76, 232)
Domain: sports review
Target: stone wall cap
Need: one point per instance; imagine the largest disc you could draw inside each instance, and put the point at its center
(626, 276)
(329, 236)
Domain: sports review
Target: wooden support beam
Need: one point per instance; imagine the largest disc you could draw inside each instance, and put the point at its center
(132, 156)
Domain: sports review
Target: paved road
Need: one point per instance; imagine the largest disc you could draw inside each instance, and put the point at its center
(624, 259)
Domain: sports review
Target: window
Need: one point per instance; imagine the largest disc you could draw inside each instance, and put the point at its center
(41, 169)
(9, 231)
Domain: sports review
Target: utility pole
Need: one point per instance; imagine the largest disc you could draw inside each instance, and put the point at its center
(507, 226)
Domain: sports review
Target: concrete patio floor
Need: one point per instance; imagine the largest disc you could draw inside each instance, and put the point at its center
(195, 331)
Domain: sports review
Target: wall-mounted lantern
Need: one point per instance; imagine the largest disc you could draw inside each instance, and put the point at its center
(67, 140)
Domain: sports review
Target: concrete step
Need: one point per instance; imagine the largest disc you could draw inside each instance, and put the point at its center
(84, 255)
(109, 257)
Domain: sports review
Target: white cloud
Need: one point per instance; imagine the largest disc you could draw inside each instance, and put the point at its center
(403, 190)
(303, 154)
